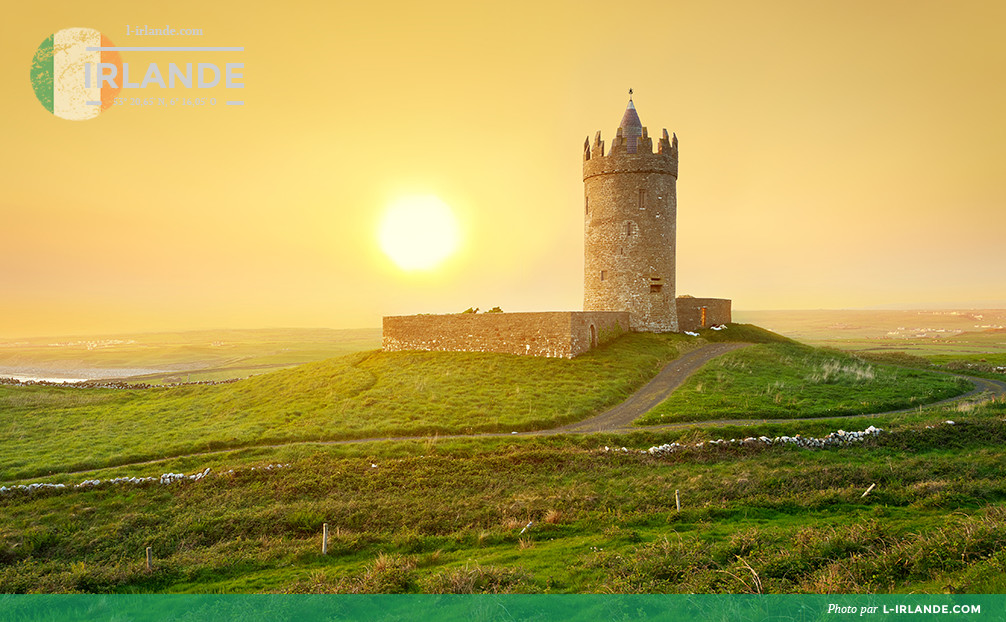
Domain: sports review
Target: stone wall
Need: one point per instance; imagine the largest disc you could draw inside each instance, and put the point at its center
(589, 329)
(552, 334)
(690, 312)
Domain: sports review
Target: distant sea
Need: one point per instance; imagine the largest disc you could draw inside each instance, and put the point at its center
(23, 378)
(43, 374)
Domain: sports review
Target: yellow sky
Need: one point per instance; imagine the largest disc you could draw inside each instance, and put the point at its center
(833, 154)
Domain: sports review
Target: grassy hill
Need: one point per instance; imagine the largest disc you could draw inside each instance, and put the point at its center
(370, 394)
(446, 515)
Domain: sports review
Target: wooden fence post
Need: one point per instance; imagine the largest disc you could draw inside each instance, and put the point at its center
(677, 500)
(324, 539)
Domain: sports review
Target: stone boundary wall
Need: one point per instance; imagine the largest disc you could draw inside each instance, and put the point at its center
(690, 312)
(562, 334)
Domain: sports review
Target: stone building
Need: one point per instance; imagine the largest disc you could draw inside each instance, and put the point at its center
(630, 215)
(630, 220)
(696, 313)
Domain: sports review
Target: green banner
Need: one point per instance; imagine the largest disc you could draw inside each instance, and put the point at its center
(589, 607)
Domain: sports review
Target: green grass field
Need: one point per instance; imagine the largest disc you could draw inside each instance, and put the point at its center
(445, 515)
(789, 380)
(371, 394)
(380, 394)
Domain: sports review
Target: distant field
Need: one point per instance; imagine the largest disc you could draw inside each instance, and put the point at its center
(180, 356)
(941, 337)
(883, 326)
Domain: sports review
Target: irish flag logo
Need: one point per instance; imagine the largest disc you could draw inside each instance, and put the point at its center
(58, 74)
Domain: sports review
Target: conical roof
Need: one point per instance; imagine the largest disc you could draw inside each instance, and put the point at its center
(631, 126)
(631, 120)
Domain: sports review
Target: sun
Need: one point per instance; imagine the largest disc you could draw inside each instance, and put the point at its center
(418, 232)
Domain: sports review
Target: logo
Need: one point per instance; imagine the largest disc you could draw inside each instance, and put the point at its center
(58, 72)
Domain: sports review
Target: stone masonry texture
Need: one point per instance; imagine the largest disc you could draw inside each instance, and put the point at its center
(630, 214)
(562, 334)
(690, 312)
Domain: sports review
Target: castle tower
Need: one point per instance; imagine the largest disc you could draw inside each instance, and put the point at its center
(630, 216)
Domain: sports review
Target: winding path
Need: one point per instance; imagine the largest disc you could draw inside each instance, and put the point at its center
(619, 418)
(672, 376)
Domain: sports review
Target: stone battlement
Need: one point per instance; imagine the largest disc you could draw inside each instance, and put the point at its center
(626, 157)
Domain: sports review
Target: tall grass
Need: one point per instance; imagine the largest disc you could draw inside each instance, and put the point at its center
(449, 518)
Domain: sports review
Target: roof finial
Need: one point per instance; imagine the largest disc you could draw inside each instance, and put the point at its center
(630, 94)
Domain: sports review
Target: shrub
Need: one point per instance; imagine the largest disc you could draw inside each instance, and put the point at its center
(478, 580)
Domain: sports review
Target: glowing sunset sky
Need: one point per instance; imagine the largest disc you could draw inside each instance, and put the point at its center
(833, 154)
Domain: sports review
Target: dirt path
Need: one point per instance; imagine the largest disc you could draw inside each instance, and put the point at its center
(619, 419)
(655, 391)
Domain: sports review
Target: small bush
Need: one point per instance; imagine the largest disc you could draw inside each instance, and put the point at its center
(478, 580)
(388, 574)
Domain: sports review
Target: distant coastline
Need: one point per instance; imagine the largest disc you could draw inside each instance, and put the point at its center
(69, 376)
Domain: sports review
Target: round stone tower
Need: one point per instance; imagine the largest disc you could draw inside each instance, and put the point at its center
(630, 207)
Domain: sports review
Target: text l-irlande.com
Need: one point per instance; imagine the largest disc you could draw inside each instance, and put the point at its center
(106, 74)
